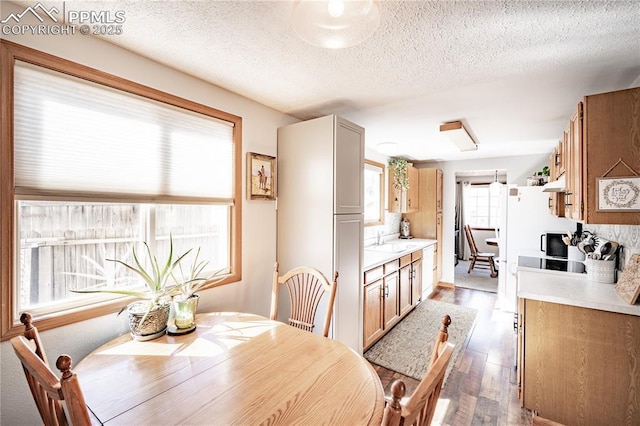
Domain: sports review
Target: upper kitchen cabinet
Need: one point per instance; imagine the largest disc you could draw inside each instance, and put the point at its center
(604, 141)
(557, 170)
(324, 142)
(404, 200)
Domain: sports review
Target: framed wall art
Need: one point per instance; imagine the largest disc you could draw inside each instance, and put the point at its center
(619, 194)
(261, 177)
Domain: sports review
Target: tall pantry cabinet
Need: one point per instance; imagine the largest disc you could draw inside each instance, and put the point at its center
(320, 209)
(427, 221)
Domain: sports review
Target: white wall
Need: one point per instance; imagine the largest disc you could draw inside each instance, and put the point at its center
(252, 294)
(518, 169)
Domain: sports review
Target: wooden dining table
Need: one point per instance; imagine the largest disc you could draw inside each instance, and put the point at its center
(491, 241)
(234, 369)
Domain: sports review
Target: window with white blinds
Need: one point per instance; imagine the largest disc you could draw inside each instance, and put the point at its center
(101, 165)
(76, 139)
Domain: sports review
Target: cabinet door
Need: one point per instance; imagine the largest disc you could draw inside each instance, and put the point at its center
(405, 290)
(391, 314)
(520, 350)
(412, 194)
(573, 168)
(427, 272)
(394, 195)
(348, 167)
(416, 281)
(373, 312)
(438, 248)
(438, 190)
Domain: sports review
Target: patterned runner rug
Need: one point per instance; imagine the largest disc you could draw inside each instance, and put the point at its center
(407, 347)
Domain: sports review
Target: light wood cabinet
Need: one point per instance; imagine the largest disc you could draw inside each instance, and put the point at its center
(405, 285)
(416, 277)
(391, 291)
(603, 130)
(427, 221)
(574, 205)
(578, 365)
(404, 201)
(556, 169)
(373, 324)
(438, 250)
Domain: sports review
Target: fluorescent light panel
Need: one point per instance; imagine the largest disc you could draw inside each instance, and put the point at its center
(457, 134)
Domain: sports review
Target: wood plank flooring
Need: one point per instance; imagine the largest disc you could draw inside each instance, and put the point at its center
(481, 389)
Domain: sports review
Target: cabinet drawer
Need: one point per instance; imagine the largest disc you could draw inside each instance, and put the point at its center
(416, 255)
(373, 274)
(392, 266)
(405, 260)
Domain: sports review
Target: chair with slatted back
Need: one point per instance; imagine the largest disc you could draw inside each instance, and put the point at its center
(479, 259)
(306, 288)
(418, 410)
(49, 392)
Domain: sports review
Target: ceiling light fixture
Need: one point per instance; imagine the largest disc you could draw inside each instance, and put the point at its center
(387, 148)
(335, 24)
(457, 134)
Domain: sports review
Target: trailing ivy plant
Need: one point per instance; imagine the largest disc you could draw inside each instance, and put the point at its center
(400, 176)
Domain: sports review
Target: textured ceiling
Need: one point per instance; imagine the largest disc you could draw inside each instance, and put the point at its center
(511, 71)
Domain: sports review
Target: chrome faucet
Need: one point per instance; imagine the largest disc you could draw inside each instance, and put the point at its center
(379, 241)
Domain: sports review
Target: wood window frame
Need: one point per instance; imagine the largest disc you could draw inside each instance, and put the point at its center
(381, 193)
(9, 53)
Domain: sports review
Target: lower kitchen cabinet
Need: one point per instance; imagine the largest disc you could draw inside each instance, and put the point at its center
(405, 285)
(578, 365)
(391, 291)
(373, 307)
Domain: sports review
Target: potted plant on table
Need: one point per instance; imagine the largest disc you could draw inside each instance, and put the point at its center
(148, 316)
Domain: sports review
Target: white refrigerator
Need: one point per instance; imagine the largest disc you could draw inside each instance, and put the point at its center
(320, 211)
(523, 217)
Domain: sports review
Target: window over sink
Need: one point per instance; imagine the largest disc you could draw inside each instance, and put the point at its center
(373, 193)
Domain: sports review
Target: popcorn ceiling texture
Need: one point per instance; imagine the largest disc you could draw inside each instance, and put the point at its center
(513, 71)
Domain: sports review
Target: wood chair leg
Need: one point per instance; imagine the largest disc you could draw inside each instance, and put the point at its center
(493, 269)
(471, 265)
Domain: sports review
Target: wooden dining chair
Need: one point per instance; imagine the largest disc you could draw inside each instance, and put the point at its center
(481, 260)
(50, 393)
(418, 410)
(306, 288)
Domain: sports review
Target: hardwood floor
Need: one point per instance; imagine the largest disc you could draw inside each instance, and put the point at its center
(481, 389)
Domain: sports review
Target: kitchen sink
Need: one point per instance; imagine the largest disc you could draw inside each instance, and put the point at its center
(390, 248)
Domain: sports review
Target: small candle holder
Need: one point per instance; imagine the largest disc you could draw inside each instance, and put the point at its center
(184, 320)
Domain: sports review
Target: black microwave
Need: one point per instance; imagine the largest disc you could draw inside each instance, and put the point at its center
(551, 243)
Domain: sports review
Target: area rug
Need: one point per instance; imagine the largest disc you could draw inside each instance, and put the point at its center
(477, 279)
(407, 348)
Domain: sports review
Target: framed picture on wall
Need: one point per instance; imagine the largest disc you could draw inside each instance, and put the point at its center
(261, 177)
(619, 194)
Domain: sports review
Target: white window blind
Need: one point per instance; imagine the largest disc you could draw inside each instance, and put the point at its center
(76, 139)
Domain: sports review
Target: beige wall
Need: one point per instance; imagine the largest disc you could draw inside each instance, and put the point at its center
(252, 294)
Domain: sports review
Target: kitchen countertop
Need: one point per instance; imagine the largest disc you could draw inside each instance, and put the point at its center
(571, 289)
(393, 249)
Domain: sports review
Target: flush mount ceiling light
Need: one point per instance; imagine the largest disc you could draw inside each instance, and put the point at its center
(335, 24)
(387, 148)
(457, 134)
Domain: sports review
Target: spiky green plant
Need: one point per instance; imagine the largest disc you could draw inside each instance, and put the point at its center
(193, 282)
(155, 277)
